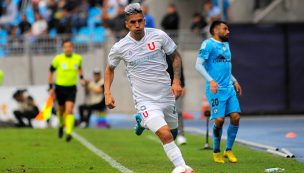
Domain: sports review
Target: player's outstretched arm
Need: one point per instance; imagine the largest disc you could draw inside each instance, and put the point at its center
(176, 65)
(108, 79)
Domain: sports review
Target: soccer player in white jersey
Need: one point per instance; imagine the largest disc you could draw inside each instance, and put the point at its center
(143, 52)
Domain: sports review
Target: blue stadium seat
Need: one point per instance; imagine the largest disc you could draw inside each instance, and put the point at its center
(99, 34)
(94, 14)
(3, 42)
(3, 37)
(53, 32)
(83, 36)
(2, 52)
(94, 11)
(16, 1)
(30, 14)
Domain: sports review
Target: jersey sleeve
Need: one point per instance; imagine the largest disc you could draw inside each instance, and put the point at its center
(55, 63)
(168, 44)
(205, 50)
(80, 61)
(114, 57)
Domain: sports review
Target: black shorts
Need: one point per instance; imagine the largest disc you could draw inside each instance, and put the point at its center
(64, 94)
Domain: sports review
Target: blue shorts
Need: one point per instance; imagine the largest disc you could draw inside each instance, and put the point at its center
(223, 103)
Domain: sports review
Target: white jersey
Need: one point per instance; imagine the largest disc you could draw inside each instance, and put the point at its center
(146, 65)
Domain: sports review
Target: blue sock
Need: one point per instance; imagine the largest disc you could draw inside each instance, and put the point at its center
(217, 134)
(231, 134)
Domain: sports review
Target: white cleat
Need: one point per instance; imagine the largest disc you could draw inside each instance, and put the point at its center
(181, 140)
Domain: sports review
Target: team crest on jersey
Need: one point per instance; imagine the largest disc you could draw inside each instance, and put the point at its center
(130, 53)
(151, 46)
(64, 66)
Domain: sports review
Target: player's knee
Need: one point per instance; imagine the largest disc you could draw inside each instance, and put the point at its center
(165, 135)
(219, 122)
(235, 118)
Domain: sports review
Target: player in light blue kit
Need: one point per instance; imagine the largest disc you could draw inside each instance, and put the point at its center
(214, 64)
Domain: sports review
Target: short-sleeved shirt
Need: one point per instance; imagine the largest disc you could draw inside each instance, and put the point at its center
(92, 97)
(217, 58)
(146, 65)
(1, 77)
(67, 69)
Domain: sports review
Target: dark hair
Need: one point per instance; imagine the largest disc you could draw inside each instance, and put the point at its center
(196, 14)
(215, 24)
(18, 93)
(66, 41)
(172, 5)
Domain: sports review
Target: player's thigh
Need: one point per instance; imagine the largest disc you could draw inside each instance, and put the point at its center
(217, 104)
(152, 116)
(233, 104)
(171, 116)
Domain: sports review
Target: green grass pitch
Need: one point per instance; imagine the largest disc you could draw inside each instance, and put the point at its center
(40, 151)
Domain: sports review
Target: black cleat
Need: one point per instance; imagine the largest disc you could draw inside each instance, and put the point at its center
(60, 132)
(68, 138)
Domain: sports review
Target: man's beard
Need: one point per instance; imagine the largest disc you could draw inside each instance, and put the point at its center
(224, 38)
(68, 55)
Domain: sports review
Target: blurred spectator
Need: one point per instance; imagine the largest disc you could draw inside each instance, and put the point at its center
(149, 18)
(98, 3)
(15, 43)
(225, 9)
(110, 9)
(64, 25)
(259, 4)
(9, 15)
(26, 108)
(94, 98)
(80, 15)
(52, 8)
(39, 27)
(212, 12)
(117, 25)
(24, 25)
(198, 24)
(170, 21)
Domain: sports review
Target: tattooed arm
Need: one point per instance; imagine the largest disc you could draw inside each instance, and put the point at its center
(176, 64)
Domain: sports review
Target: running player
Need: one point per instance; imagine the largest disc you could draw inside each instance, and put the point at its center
(214, 64)
(143, 52)
(67, 66)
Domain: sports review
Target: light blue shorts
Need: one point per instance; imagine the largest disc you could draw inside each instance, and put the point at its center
(223, 103)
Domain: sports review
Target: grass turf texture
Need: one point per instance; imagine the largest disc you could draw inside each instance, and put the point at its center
(40, 151)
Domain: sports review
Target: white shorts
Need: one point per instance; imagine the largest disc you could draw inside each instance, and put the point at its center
(157, 115)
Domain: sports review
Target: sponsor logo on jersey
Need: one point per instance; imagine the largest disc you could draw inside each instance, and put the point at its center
(221, 58)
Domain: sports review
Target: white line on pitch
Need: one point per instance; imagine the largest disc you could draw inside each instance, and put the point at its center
(101, 154)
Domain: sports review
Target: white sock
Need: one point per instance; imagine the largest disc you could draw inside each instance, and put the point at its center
(174, 154)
